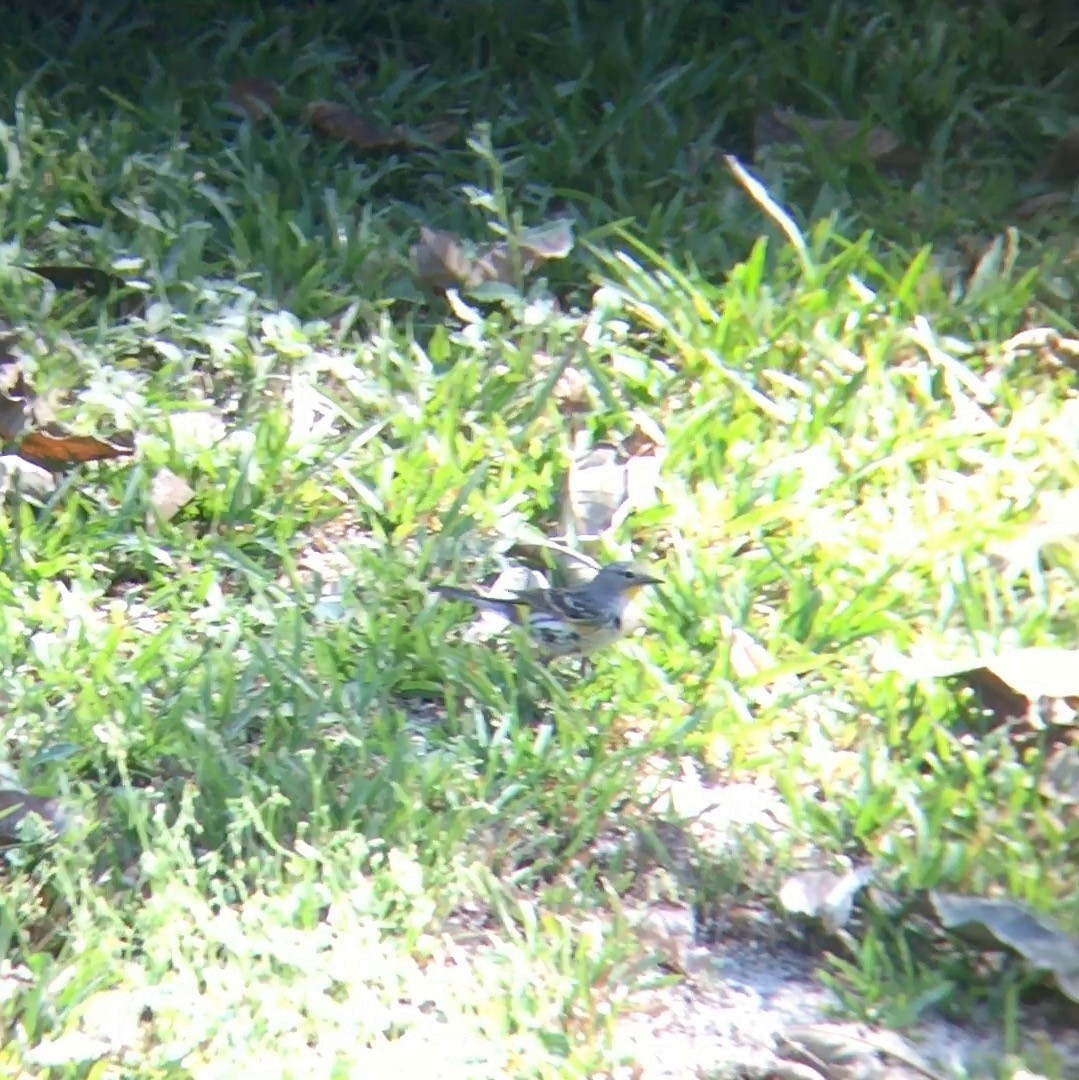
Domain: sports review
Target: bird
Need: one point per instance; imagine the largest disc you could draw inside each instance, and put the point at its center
(573, 621)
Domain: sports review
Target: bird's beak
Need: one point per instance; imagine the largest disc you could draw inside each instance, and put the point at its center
(647, 579)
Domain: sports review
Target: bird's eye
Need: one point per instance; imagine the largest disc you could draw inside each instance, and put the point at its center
(628, 574)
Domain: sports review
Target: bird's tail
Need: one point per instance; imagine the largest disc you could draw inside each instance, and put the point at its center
(506, 608)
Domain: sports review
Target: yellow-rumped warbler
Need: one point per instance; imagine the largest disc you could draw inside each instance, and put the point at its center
(573, 621)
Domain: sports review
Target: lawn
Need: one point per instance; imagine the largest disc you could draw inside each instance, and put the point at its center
(334, 303)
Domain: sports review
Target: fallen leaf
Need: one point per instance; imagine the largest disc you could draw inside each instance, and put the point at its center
(785, 127)
(169, 494)
(254, 96)
(442, 260)
(15, 403)
(596, 491)
(1042, 204)
(27, 430)
(17, 806)
(552, 240)
(1008, 683)
(824, 895)
(25, 477)
(994, 264)
(845, 1051)
(668, 930)
(606, 483)
(96, 282)
(89, 278)
(1011, 926)
(53, 447)
(1058, 780)
(339, 122)
(73, 1048)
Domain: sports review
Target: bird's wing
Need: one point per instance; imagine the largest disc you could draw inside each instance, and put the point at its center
(571, 605)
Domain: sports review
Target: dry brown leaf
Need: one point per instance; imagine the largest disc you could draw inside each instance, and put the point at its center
(436, 132)
(27, 430)
(668, 930)
(15, 403)
(254, 96)
(53, 447)
(1059, 778)
(16, 806)
(824, 895)
(1006, 924)
(88, 278)
(596, 491)
(442, 260)
(339, 122)
(1010, 685)
(848, 1051)
(169, 494)
(1042, 204)
(785, 127)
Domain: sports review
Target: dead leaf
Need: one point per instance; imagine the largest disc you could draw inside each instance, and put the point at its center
(1062, 164)
(551, 240)
(607, 483)
(26, 478)
(15, 403)
(1005, 924)
(1042, 204)
(436, 132)
(54, 447)
(442, 260)
(844, 1051)
(253, 96)
(17, 806)
(27, 430)
(169, 494)
(668, 930)
(785, 127)
(88, 278)
(1008, 683)
(994, 264)
(1059, 779)
(596, 491)
(96, 282)
(339, 122)
(824, 895)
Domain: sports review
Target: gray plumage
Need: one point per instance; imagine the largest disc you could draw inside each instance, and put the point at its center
(571, 621)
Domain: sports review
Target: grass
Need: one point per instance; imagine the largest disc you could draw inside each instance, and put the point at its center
(317, 836)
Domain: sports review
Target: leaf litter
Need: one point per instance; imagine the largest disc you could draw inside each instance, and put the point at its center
(28, 430)
(443, 260)
(336, 121)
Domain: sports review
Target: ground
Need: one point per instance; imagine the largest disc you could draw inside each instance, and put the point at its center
(310, 308)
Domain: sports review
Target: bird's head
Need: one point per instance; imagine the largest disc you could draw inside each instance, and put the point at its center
(621, 578)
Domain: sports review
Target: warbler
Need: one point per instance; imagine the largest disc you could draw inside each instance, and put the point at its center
(572, 621)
